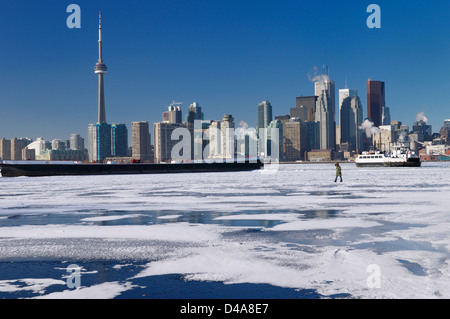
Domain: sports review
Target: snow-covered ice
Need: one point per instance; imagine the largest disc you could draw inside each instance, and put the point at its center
(382, 233)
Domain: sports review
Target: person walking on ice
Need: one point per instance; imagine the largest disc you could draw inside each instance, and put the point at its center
(338, 172)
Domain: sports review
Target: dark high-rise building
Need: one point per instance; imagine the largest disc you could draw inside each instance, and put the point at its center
(376, 101)
(351, 116)
(305, 108)
(99, 136)
(119, 140)
(422, 127)
(194, 113)
(264, 115)
(445, 132)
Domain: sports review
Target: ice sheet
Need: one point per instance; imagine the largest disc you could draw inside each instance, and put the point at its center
(328, 236)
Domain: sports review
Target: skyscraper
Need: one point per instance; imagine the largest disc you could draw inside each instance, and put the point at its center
(140, 137)
(100, 133)
(264, 115)
(351, 117)
(215, 140)
(343, 94)
(330, 87)
(119, 140)
(164, 142)
(17, 145)
(194, 113)
(294, 140)
(274, 145)
(376, 101)
(5, 149)
(227, 138)
(305, 107)
(174, 114)
(57, 144)
(99, 136)
(445, 131)
(325, 115)
(325, 112)
(76, 142)
(325, 83)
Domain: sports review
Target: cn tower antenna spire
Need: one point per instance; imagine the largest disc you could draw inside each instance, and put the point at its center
(100, 70)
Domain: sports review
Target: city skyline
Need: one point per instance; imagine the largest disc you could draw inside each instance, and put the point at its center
(125, 102)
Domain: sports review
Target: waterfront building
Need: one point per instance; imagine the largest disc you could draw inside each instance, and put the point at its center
(274, 145)
(57, 144)
(17, 145)
(28, 154)
(37, 146)
(76, 142)
(215, 140)
(63, 155)
(99, 136)
(227, 136)
(164, 143)
(119, 140)
(5, 149)
(140, 141)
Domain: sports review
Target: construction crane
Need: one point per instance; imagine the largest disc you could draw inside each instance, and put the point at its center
(175, 104)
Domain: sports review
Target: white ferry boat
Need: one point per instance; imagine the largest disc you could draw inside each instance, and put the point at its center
(401, 156)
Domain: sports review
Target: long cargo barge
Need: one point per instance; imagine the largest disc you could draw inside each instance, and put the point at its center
(33, 169)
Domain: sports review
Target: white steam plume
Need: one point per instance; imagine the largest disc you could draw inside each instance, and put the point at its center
(243, 125)
(320, 78)
(367, 126)
(421, 117)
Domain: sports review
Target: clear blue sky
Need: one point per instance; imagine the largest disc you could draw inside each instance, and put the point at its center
(226, 55)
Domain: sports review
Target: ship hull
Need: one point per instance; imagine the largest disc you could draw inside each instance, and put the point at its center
(36, 170)
(411, 162)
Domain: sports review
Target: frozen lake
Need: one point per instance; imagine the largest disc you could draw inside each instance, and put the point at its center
(291, 233)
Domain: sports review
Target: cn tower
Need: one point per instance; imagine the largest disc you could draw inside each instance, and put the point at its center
(100, 69)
